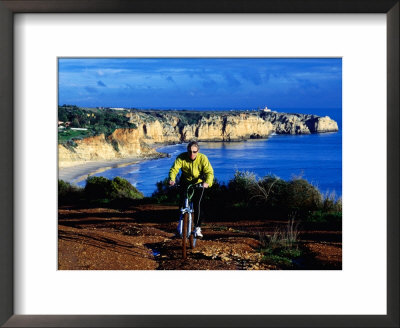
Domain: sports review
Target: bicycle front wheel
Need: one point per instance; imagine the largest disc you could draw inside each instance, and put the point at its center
(191, 237)
(184, 234)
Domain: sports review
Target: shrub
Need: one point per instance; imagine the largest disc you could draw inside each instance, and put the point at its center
(271, 196)
(122, 188)
(68, 193)
(101, 188)
(275, 196)
(331, 204)
(281, 247)
(282, 237)
(165, 193)
(63, 188)
(115, 145)
(97, 188)
(333, 218)
(302, 197)
(217, 193)
(242, 187)
(216, 199)
(189, 117)
(246, 196)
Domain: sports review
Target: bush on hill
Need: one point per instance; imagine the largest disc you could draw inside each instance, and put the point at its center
(101, 188)
(68, 193)
(98, 191)
(96, 121)
(246, 196)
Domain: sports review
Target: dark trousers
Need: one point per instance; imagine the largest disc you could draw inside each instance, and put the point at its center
(196, 199)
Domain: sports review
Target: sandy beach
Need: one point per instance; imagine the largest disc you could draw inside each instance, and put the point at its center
(79, 172)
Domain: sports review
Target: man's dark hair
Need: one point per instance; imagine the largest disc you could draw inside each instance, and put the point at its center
(192, 143)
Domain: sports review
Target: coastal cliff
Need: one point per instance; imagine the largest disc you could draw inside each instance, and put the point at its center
(167, 127)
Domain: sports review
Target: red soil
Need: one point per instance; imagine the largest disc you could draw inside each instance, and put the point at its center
(142, 238)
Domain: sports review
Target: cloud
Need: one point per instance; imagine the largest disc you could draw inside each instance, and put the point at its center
(307, 84)
(91, 89)
(209, 83)
(170, 79)
(231, 79)
(252, 75)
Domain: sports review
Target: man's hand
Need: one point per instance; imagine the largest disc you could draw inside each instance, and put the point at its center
(171, 183)
(205, 185)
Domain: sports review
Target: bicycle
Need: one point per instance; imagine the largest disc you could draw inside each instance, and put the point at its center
(186, 224)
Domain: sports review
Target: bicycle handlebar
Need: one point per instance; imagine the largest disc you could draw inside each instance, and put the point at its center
(190, 186)
(197, 185)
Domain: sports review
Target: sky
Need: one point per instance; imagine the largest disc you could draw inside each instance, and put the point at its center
(201, 83)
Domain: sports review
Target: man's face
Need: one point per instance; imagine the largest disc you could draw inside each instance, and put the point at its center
(193, 152)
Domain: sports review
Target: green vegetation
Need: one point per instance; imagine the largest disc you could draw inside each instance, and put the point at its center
(189, 118)
(68, 194)
(98, 191)
(278, 198)
(68, 135)
(96, 121)
(281, 257)
(325, 217)
(102, 188)
(281, 248)
(246, 196)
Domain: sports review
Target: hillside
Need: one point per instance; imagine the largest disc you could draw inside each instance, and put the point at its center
(142, 238)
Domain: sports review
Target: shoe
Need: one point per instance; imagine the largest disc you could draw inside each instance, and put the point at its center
(197, 232)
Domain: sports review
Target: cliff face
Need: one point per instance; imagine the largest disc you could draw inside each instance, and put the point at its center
(174, 127)
(325, 124)
(229, 128)
(121, 143)
(300, 123)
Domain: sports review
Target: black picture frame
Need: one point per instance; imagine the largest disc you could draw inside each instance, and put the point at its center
(10, 7)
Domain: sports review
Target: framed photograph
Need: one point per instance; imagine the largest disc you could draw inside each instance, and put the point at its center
(263, 185)
(90, 89)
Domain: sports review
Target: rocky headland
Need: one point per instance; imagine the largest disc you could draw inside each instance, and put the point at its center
(169, 127)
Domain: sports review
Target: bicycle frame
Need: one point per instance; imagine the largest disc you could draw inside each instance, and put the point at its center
(186, 221)
(187, 209)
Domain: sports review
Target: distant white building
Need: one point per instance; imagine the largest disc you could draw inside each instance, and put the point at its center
(79, 129)
(117, 108)
(268, 110)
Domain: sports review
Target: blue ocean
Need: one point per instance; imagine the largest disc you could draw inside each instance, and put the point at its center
(316, 158)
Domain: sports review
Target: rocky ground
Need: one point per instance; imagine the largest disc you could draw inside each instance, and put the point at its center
(142, 238)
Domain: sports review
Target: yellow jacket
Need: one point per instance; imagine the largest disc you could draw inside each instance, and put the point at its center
(195, 171)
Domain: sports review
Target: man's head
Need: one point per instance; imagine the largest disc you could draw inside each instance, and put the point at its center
(193, 149)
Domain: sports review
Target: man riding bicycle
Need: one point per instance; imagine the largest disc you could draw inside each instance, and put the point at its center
(196, 169)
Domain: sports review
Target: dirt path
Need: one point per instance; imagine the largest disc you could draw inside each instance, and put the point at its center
(143, 238)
